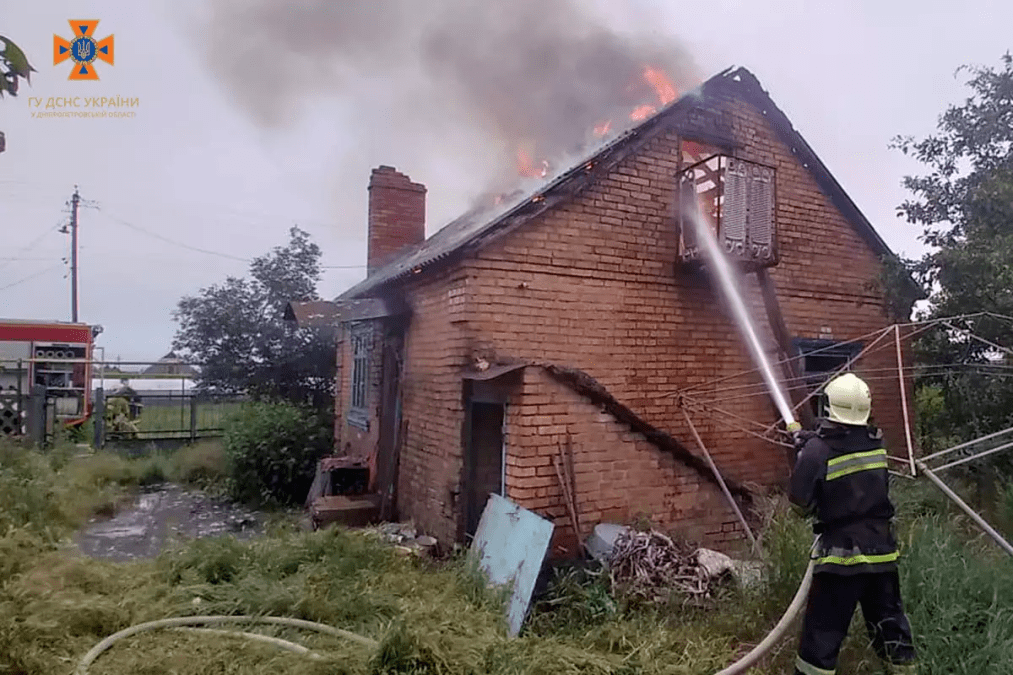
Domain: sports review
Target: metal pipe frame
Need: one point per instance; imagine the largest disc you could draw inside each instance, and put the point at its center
(721, 482)
(968, 443)
(988, 529)
(973, 457)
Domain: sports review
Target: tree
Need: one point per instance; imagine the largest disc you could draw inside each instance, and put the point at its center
(237, 334)
(964, 205)
(13, 65)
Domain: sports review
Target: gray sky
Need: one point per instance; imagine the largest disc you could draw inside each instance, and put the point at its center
(198, 166)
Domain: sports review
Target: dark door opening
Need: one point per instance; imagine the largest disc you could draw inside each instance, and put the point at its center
(388, 444)
(485, 459)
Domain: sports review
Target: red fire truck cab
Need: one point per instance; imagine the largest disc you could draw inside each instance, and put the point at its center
(53, 355)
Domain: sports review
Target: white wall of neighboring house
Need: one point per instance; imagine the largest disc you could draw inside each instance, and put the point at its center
(161, 385)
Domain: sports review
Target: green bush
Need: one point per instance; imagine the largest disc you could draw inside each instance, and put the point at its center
(273, 450)
(203, 463)
(29, 494)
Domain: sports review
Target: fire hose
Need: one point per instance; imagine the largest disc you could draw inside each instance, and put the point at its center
(187, 623)
(178, 622)
(181, 623)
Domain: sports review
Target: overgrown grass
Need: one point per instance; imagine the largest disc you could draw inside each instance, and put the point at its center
(175, 416)
(436, 617)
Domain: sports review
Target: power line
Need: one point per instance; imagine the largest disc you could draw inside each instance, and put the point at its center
(180, 203)
(149, 233)
(30, 277)
(180, 244)
(30, 245)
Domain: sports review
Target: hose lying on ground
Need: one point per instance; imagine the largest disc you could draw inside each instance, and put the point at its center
(747, 661)
(90, 657)
(736, 668)
(257, 637)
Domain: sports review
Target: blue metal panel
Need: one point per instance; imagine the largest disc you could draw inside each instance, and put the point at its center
(510, 545)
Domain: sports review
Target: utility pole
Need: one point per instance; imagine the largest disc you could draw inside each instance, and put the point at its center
(75, 203)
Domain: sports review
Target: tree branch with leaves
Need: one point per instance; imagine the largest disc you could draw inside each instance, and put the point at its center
(14, 66)
(964, 205)
(236, 331)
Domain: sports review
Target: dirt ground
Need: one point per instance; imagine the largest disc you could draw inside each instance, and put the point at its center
(160, 516)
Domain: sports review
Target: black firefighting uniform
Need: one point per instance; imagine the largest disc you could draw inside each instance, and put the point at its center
(841, 478)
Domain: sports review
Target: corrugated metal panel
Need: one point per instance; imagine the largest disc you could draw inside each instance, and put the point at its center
(510, 546)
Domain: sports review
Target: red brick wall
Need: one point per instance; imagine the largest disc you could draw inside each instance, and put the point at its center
(429, 489)
(590, 284)
(397, 215)
(620, 476)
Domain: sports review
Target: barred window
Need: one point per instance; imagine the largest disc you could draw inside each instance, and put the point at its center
(357, 409)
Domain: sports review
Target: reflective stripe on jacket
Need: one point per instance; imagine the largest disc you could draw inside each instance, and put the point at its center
(841, 479)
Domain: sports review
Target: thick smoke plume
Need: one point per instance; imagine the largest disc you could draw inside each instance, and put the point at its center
(466, 83)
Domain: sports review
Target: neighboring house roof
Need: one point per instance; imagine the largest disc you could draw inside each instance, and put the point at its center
(311, 313)
(479, 226)
(170, 364)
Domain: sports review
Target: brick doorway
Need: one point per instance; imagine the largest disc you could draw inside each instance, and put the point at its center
(485, 459)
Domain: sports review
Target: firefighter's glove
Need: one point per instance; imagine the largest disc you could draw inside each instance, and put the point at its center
(801, 437)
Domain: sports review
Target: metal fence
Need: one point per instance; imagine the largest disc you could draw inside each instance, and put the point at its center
(28, 415)
(155, 401)
(161, 416)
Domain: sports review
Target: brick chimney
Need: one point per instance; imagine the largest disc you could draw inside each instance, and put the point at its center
(397, 215)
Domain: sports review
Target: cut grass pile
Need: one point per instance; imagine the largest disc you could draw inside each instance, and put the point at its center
(434, 617)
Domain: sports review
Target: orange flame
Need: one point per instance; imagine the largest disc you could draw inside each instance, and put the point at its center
(665, 91)
(642, 112)
(603, 128)
(662, 85)
(527, 168)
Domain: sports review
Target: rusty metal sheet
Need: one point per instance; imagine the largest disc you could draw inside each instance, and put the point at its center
(509, 547)
(493, 372)
(349, 462)
(313, 313)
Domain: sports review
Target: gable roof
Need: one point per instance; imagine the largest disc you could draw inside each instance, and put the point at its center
(170, 364)
(481, 225)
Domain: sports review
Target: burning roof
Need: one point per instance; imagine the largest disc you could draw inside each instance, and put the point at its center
(497, 215)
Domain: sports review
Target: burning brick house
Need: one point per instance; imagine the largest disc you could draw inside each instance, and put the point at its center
(576, 315)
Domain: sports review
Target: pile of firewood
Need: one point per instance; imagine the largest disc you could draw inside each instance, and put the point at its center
(651, 566)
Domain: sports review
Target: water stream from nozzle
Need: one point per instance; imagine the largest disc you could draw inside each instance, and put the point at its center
(724, 275)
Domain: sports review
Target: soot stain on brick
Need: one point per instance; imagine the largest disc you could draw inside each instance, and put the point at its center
(590, 388)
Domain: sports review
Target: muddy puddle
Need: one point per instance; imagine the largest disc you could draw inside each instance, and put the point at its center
(163, 515)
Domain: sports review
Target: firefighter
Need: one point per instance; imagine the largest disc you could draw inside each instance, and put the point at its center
(841, 480)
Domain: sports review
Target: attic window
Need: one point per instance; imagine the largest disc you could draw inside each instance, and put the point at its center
(732, 197)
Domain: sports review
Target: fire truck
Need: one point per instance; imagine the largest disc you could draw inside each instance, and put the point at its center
(53, 355)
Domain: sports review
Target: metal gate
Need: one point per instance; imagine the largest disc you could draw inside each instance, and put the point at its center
(27, 416)
(13, 414)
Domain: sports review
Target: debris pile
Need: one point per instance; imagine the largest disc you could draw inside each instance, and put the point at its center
(651, 566)
(404, 537)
